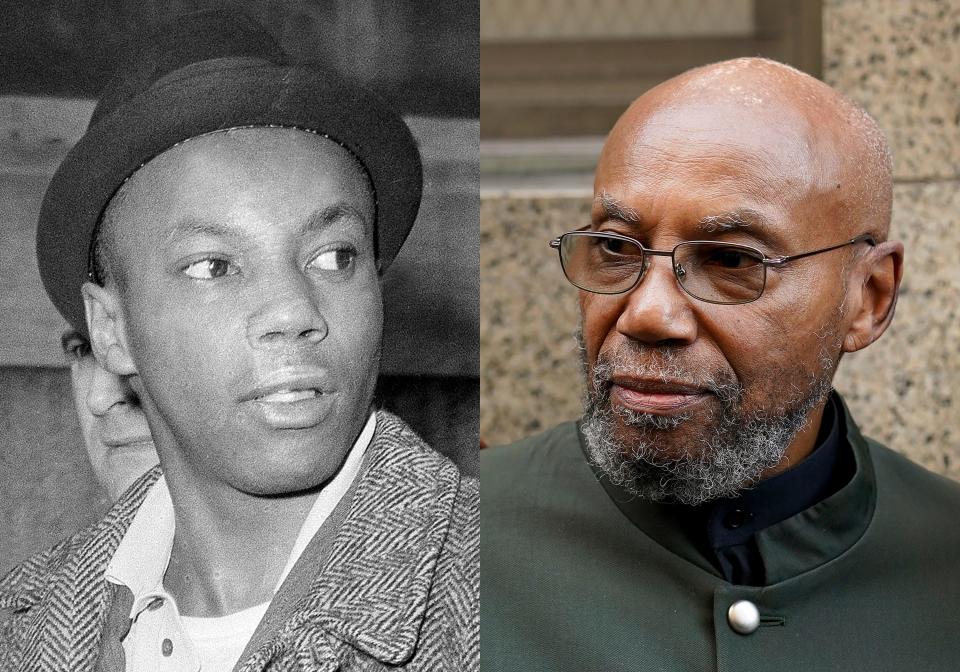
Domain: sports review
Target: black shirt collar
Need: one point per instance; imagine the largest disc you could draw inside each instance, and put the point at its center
(734, 520)
(725, 529)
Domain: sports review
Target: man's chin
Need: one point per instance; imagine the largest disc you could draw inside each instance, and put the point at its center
(657, 444)
(689, 460)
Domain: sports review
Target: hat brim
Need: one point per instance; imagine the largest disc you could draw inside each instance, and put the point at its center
(205, 97)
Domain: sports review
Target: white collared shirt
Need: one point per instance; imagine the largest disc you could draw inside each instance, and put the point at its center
(162, 640)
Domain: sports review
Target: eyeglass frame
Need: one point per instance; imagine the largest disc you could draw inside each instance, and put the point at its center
(765, 261)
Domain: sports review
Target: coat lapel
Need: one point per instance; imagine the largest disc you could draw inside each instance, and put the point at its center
(372, 592)
(89, 587)
(116, 627)
(67, 629)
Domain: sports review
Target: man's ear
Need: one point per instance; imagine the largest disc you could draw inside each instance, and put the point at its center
(879, 286)
(105, 324)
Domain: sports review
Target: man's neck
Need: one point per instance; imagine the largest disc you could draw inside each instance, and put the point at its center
(230, 547)
(229, 550)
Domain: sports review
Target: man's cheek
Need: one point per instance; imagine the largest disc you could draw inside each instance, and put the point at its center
(359, 318)
(592, 338)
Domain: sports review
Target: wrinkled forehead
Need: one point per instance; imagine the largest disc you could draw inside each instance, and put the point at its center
(742, 152)
(773, 139)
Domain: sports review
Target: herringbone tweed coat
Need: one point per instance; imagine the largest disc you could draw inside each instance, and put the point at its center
(400, 588)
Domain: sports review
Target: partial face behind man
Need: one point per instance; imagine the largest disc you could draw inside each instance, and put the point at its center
(242, 290)
(114, 429)
(689, 400)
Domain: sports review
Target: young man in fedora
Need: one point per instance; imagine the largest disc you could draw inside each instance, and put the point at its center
(220, 233)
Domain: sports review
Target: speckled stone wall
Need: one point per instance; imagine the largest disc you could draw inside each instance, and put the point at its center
(901, 61)
(529, 376)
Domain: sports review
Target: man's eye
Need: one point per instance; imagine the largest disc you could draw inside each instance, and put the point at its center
(209, 269)
(730, 258)
(74, 345)
(617, 247)
(339, 259)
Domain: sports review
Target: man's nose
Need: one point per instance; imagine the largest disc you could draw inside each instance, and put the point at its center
(106, 391)
(289, 313)
(658, 311)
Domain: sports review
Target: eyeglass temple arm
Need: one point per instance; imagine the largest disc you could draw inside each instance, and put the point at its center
(555, 244)
(780, 261)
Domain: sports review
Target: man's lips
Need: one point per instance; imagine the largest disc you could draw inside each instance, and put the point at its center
(295, 397)
(289, 384)
(124, 426)
(135, 441)
(655, 396)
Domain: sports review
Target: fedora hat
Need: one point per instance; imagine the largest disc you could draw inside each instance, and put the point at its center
(200, 73)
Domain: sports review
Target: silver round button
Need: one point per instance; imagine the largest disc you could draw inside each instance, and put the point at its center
(743, 617)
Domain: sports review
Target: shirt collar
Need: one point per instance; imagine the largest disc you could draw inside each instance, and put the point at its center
(331, 495)
(141, 559)
(733, 520)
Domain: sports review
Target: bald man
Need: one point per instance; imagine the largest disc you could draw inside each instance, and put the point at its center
(716, 507)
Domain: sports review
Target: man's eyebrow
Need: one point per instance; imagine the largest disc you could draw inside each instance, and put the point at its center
(317, 221)
(195, 226)
(734, 220)
(613, 209)
(323, 217)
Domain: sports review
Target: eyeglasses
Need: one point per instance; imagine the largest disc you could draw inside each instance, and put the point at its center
(724, 273)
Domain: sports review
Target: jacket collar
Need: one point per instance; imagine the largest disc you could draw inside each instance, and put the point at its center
(87, 591)
(25, 586)
(66, 586)
(372, 592)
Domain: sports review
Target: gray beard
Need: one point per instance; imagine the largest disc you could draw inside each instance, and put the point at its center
(730, 454)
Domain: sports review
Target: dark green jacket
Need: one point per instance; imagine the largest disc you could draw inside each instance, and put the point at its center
(576, 577)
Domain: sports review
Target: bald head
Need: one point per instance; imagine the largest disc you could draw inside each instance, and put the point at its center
(803, 140)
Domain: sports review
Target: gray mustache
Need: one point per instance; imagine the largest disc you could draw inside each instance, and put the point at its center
(662, 365)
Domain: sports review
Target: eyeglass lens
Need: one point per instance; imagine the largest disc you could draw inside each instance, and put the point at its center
(715, 272)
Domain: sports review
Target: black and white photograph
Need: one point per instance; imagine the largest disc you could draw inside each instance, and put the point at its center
(239, 355)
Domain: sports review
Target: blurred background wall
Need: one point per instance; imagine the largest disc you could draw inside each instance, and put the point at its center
(422, 58)
(585, 60)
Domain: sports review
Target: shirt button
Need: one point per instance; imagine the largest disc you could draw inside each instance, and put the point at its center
(743, 617)
(736, 518)
(167, 647)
